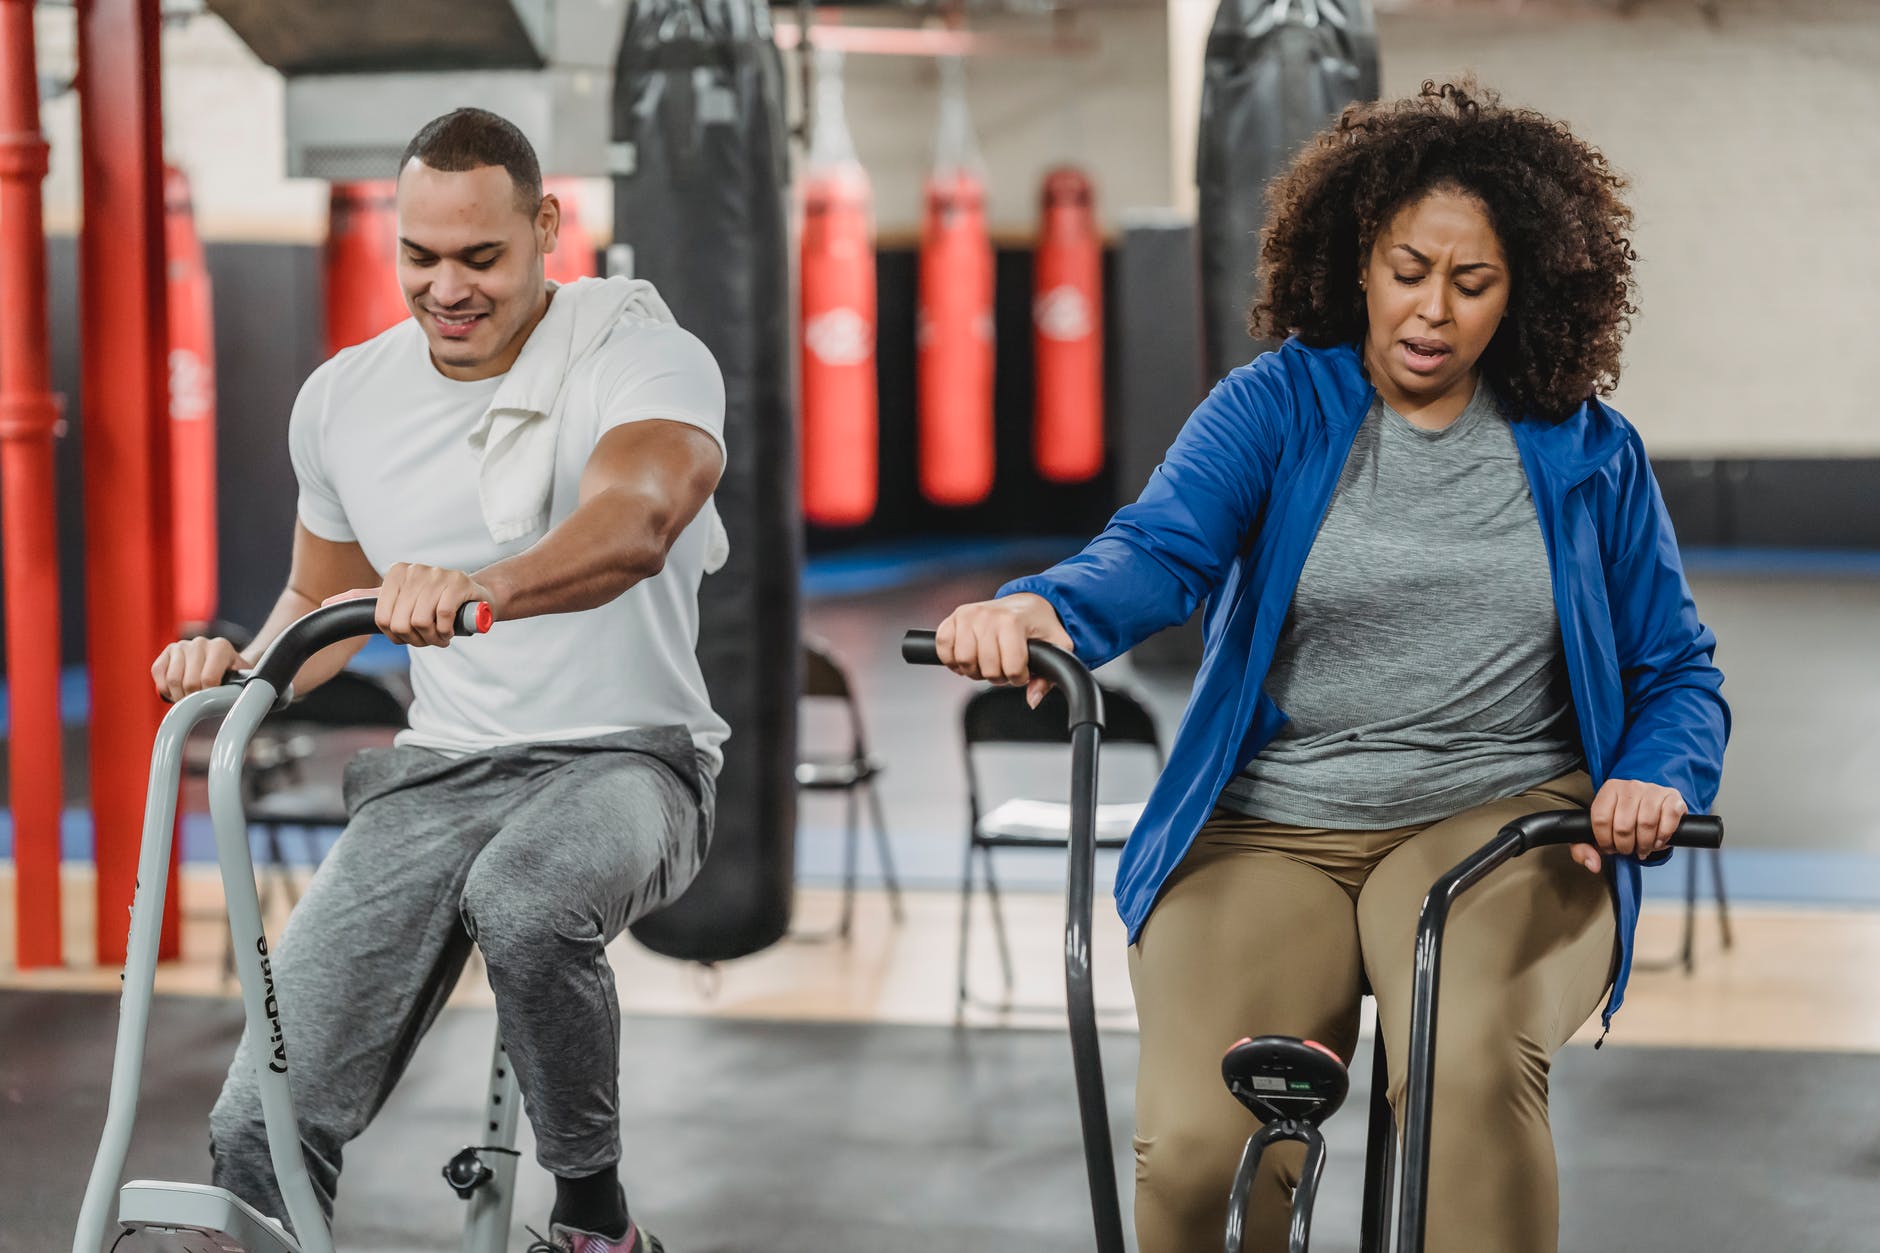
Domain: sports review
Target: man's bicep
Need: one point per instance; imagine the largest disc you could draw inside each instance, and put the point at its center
(324, 567)
(673, 466)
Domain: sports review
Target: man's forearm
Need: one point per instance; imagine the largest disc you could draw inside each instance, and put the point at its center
(610, 542)
(320, 667)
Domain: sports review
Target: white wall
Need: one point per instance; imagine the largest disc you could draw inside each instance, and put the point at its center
(1106, 109)
(223, 117)
(222, 113)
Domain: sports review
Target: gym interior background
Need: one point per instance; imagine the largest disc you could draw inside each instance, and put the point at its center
(1733, 1107)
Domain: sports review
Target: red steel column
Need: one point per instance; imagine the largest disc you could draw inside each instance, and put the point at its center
(28, 418)
(124, 391)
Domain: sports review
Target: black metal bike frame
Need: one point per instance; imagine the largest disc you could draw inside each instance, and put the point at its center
(1299, 1230)
(1523, 834)
(1086, 723)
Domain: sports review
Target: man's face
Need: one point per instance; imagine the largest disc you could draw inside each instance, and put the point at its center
(470, 262)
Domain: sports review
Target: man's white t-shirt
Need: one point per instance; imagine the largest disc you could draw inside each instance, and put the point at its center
(380, 444)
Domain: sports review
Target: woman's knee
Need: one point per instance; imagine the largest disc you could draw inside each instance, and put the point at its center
(1489, 1075)
(1184, 1176)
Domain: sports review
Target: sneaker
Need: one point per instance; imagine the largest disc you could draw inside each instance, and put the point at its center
(568, 1240)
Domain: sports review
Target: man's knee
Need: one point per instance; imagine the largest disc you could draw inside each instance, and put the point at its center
(512, 914)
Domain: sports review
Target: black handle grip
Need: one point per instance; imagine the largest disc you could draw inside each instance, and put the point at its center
(1575, 826)
(1048, 660)
(918, 649)
(332, 623)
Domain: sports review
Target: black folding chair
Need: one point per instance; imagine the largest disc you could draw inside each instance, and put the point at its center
(850, 771)
(1000, 716)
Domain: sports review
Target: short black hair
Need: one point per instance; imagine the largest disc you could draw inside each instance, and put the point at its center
(469, 139)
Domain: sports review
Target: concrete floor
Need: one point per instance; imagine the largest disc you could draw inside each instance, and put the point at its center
(856, 1138)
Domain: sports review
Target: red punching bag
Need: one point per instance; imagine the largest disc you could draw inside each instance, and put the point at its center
(192, 406)
(362, 292)
(838, 319)
(954, 355)
(837, 290)
(1067, 332)
(573, 257)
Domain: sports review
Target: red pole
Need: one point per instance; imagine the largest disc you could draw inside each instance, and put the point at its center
(29, 417)
(124, 388)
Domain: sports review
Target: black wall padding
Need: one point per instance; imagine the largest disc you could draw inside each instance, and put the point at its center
(699, 185)
(1157, 311)
(1021, 502)
(259, 371)
(1277, 71)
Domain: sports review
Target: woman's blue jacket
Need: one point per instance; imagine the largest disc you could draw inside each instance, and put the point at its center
(1229, 516)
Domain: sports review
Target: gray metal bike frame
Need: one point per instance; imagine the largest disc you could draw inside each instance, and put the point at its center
(140, 963)
(487, 1226)
(268, 1050)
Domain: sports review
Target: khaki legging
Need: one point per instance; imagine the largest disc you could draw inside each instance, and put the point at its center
(1266, 929)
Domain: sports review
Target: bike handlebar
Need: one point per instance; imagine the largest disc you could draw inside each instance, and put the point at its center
(329, 625)
(1047, 660)
(1575, 826)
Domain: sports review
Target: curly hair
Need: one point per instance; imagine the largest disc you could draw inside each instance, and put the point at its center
(1552, 199)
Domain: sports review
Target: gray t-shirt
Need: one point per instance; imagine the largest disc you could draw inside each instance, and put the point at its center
(1420, 663)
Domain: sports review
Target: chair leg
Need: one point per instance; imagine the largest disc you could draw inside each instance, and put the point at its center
(275, 871)
(1723, 900)
(998, 926)
(848, 865)
(310, 849)
(289, 887)
(966, 923)
(888, 877)
(1690, 915)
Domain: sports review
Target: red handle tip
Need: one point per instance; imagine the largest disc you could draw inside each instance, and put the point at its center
(486, 616)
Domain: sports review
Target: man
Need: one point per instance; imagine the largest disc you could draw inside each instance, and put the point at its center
(551, 451)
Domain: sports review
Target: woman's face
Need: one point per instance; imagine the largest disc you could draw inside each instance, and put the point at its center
(1436, 287)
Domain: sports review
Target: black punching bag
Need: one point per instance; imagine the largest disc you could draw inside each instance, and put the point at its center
(699, 165)
(1277, 72)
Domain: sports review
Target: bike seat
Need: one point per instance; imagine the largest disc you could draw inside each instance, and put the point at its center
(1282, 1078)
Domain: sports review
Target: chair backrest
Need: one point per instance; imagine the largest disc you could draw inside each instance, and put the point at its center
(825, 679)
(999, 715)
(822, 674)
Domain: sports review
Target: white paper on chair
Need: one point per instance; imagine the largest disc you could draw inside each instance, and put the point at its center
(1038, 819)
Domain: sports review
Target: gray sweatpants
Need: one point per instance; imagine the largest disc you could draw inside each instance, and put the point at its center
(539, 854)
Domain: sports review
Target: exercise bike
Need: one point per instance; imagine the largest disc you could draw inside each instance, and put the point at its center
(1291, 1085)
(166, 1217)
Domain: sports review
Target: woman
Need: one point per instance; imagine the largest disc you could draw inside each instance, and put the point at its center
(1442, 592)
